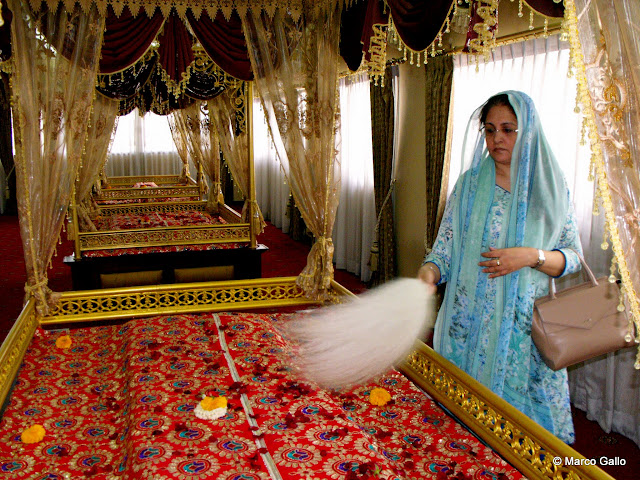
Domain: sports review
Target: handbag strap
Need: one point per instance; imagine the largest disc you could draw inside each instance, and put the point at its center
(585, 269)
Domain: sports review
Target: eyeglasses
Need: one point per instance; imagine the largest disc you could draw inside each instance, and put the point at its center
(491, 131)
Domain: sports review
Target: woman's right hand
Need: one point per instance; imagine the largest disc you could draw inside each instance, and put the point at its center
(430, 275)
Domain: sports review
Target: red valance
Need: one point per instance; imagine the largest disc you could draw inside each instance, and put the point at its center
(5, 32)
(548, 8)
(127, 38)
(418, 22)
(224, 42)
(175, 49)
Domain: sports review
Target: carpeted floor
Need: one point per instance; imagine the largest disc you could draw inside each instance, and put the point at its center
(284, 258)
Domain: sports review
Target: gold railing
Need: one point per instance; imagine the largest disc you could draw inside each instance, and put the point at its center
(148, 192)
(526, 445)
(14, 347)
(130, 302)
(164, 236)
(157, 179)
(153, 207)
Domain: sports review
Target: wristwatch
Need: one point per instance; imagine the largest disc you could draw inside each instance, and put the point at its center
(541, 259)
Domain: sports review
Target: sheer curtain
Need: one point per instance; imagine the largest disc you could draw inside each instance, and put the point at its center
(143, 146)
(295, 67)
(356, 215)
(608, 389)
(272, 190)
(52, 98)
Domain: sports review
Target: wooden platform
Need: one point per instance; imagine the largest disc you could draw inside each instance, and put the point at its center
(164, 268)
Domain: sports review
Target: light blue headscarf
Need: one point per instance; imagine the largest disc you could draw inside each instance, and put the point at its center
(536, 217)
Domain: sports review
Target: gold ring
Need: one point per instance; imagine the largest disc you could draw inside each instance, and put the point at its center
(498, 262)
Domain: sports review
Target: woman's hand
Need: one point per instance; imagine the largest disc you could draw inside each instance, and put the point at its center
(507, 260)
(429, 273)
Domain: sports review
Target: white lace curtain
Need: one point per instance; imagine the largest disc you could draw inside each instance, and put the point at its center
(608, 389)
(195, 137)
(143, 145)
(272, 190)
(104, 121)
(234, 143)
(353, 230)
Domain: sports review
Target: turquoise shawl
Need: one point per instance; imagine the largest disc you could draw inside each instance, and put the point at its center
(536, 217)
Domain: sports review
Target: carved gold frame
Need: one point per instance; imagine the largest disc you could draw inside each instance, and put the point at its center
(234, 231)
(128, 193)
(153, 207)
(157, 179)
(526, 445)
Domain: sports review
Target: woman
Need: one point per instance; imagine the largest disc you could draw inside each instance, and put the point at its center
(507, 227)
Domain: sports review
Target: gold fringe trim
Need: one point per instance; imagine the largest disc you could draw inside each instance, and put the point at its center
(598, 163)
(432, 49)
(212, 7)
(376, 66)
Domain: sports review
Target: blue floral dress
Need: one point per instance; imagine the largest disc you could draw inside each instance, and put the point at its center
(544, 397)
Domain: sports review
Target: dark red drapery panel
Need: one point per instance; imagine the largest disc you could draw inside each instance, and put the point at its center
(356, 30)
(5, 32)
(418, 22)
(547, 7)
(352, 30)
(127, 38)
(224, 42)
(175, 48)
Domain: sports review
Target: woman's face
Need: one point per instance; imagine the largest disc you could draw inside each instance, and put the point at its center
(501, 132)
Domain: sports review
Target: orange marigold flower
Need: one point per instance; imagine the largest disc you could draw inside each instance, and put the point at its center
(211, 403)
(379, 397)
(64, 341)
(33, 434)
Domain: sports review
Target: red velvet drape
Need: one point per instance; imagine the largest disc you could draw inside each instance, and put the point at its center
(224, 42)
(547, 7)
(5, 32)
(127, 38)
(418, 22)
(175, 47)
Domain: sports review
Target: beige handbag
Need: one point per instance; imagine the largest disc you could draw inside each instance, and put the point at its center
(580, 322)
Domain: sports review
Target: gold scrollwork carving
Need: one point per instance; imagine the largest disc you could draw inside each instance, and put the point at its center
(151, 192)
(163, 237)
(198, 297)
(157, 179)
(14, 347)
(152, 207)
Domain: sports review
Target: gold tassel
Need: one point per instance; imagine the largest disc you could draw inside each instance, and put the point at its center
(374, 256)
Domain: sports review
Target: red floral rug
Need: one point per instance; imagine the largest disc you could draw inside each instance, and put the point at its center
(122, 402)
